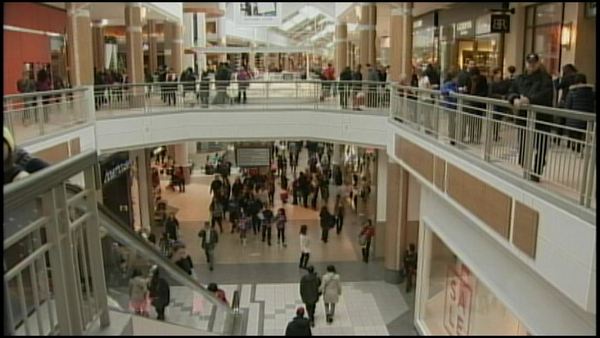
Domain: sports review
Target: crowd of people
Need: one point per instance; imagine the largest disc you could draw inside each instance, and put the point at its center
(535, 86)
(44, 80)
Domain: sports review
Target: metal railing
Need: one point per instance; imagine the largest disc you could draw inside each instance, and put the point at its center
(51, 246)
(57, 267)
(524, 141)
(120, 100)
(32, 115)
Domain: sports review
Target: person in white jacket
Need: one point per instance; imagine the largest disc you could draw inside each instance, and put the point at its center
(331, 288)
(304, 247)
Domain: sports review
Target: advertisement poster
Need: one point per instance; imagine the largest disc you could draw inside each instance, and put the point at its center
(258, 14)
(459, 297)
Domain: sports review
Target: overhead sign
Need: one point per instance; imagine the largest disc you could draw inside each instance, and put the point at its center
(257, 14)
(500, 23)
(253, 157)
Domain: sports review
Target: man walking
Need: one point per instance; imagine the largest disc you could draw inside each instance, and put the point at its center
(309, 291)
(299, 326)
(365, 237)
(410, 266)
(210, 238)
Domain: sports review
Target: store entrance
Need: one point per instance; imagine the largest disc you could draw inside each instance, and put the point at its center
(484, 50)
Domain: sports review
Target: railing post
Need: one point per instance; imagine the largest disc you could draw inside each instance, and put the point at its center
(436, 112)
(64, 281)
(93, 241)
(9, 117)
(528, 143)
(40, 113)
(487, 145)
(459, 126)
(63, 107)
(589, 161)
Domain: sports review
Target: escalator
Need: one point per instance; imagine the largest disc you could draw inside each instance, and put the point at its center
(125, 250)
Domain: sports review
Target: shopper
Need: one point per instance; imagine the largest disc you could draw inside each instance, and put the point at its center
(327, 222)
(449, 88)
(182, 259)
(410, 266)
(204, 93)
(534, 86)
(339, 213)
(304, 246)
(498, 90)
(281, 221)
(234, 213)
(217, 213)
(160, 293)
(210, 238)
(172, 87)
(309, 292)
(581, 97)
(299, 326)
(331, 288)
(365, 237)
(356, 87)
(138, 293)
(219, 293)
(479, 87)
(373, 78)
(344, 87)
(26, 85)
(244, 76)
(215, 186)
(12, 170)
(172, 226)
(267, 222)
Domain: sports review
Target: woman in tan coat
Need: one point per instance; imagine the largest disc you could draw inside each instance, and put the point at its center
(331, 288)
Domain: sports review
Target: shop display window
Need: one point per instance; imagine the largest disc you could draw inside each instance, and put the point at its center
(424, 50)
(455, 302)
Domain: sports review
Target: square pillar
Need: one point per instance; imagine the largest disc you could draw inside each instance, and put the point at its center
(134, 51)
(152, 46)
(99, 48)
(79, 46)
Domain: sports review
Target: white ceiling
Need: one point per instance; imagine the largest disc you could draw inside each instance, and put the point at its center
(112, 12)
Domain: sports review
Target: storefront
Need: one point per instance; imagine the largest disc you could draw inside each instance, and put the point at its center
(465, 35)
(116, 180)
(425, 40)
(543, 30)
(453, 301)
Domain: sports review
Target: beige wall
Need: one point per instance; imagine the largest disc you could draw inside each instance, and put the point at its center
(582, 52)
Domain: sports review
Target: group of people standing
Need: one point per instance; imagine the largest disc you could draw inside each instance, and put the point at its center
(43, 81)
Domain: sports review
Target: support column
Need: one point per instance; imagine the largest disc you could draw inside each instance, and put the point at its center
(188, 39)
(341, 47)
(177, 47)
(145, 189)
(181, 157)
(98, 45)
(168, 43)
(134, 50)
(201, 40)
(79, 46)
(252, 57)
(380, 174)
(367, 34)
(405, 57)
(396, 219)
(152, 47)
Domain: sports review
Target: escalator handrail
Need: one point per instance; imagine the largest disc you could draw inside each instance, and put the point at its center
(123, 233)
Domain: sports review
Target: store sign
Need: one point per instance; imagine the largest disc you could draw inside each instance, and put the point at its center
(257, 14)
(116, 171)
(457, 305)
(417, 24)
(464, 28)
(500, 23)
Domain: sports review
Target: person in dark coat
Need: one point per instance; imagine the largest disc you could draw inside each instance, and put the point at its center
(581, 98)
(344, 87)
(562, 85)
(160, 293)
(534, 86)
(171, 226)
(479, 87)
(498, 90)
(327, 222)
(299, 326)
(210, 238)
(356, 85)
(309, 291)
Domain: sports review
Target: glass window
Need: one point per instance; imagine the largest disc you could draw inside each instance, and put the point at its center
(548, 13)
(547, 45)
(423, 46)
(456, 303)
(543, 34)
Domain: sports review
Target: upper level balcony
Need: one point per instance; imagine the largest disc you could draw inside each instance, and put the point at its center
(482, 129)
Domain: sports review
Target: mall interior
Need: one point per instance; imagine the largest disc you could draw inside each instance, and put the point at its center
(436, 163)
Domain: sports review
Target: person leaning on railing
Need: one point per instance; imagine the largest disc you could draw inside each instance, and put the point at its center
(580, 97)
(498, 90)
(535, 87)
(18, 164)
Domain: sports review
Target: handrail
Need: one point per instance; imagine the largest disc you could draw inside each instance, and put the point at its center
(18, 192)
(561, 112)
(44, 93)
(115, 227)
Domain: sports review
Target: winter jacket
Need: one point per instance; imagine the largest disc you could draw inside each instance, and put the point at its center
(331, 287)
(309, 288)
(304, 244)
(185, 264)
(299, 326)
(538, 88)
(581, 98)
(447, 88)
(565, 84)
(159, 292)
(137, 289)
(214, 239)
(28, 163)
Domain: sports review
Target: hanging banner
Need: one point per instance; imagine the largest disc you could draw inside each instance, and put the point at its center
(257, 14)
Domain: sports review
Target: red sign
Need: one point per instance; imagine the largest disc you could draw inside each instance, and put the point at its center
(457, 305)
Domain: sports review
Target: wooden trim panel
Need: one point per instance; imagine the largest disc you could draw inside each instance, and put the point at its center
(525, 229)
(416, 157)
